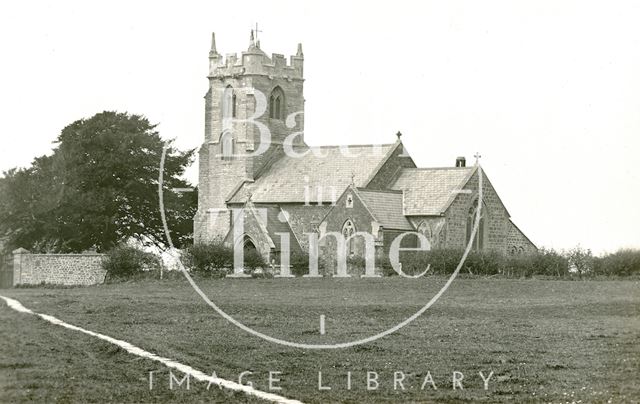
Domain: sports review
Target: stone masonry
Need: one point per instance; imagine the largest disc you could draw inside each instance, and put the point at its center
(57, 269)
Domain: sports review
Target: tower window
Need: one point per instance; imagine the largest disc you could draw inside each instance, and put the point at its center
(234, 104)
(226, 145)
(229, 103)
(276, 104)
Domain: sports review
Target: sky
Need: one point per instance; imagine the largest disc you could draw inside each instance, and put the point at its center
(548, 92)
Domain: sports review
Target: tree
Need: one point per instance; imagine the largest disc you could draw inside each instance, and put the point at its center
(580, 260)
(99, 188)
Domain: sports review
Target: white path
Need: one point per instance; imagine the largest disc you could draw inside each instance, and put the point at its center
(196, 374)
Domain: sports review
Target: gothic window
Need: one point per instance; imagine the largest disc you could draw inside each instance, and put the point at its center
(425, 230)
(348, 230)
(234, 104)
(478, 240)
(276, 104)
(226, 145)
(229, 101)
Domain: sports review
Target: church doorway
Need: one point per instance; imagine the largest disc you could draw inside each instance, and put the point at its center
(248, 246)
(252, 258)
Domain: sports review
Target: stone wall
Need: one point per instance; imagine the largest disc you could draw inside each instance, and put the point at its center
(517, 242)
(500, 234)
(496, 217)
(58, 269)
(362, 220)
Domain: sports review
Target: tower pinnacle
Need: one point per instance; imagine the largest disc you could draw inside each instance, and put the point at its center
(213, 50)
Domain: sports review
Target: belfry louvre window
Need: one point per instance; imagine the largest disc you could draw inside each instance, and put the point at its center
(276, 104)
(229, 103)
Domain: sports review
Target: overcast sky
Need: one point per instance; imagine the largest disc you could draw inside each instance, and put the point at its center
(547, 91)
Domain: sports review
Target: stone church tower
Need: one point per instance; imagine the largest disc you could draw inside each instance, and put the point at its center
(246, 109)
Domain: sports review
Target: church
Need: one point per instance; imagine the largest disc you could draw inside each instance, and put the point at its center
(255, 161)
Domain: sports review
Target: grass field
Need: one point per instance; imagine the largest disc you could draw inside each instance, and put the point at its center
(545, 341)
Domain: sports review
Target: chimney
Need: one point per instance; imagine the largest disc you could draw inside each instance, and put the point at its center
(461, 162)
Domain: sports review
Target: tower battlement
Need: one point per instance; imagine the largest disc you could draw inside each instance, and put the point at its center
(255, 62)
(247, 94)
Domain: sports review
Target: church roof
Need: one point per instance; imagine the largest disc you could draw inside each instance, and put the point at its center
(430, 191)
(289, 178)
(385, 207)
(275, 226)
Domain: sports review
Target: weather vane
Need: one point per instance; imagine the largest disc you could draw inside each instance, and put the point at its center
(255, 32)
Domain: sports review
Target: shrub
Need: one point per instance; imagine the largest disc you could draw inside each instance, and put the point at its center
(125, 262)
(548, 262)
(625, 262)
(484, 263)
(299, 262)
(253, 260)
(445, 260)
(355, 264)
(210, 259)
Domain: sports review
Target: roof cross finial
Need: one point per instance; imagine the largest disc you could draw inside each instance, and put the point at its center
(477, 157)
(257, 30)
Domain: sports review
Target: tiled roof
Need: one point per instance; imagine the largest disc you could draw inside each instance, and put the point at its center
(286, 178)
(386, 208)
(429, 191)
(275, 226)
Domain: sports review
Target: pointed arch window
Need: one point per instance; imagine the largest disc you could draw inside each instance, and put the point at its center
(229, 102)
(478, 240)
(348, 230)
(425, 230)
(276, 104)
(234, 105)
(227, 145)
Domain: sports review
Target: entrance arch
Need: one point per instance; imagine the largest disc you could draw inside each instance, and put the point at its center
(248, 244)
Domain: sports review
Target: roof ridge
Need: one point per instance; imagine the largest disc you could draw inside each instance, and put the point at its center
(460, 185)
(356, 192)
(344, 145)
(439, 168)
(387, 191)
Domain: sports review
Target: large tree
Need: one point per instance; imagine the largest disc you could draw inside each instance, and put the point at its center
(97, 189)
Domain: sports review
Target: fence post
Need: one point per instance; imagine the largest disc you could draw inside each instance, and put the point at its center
(18, 259)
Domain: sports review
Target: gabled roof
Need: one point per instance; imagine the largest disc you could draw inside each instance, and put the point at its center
(386, 208)
(275, 225)
(288, 177)
(271, 226)
(430, 191)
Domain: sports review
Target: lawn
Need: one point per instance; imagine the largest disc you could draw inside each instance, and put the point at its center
(544, 340)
